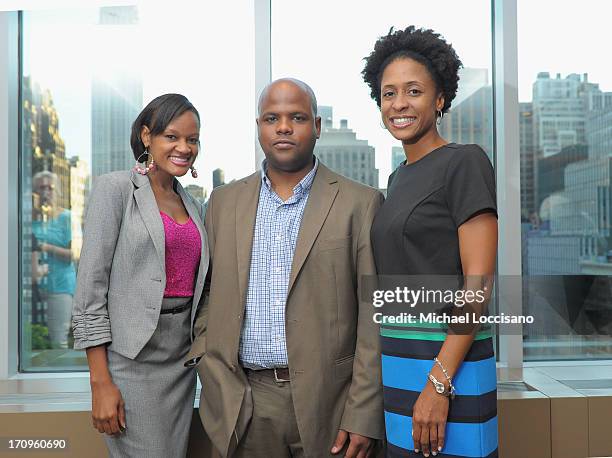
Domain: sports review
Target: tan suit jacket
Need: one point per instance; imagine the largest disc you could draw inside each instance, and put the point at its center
(332, 341)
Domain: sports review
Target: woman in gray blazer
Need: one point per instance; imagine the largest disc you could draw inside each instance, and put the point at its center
(139, 282)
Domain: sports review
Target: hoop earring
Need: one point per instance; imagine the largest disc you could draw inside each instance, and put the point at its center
(382, 125)
(439, 115)
(151, 167)
(194, 172)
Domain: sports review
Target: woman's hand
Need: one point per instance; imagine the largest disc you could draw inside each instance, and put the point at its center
(429, 417)
(108, 408)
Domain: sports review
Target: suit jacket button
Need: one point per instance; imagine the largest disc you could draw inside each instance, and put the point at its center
(233, 368)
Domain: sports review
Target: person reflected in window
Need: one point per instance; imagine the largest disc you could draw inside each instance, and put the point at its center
(51, 226)
(140, 279)
(439, 218)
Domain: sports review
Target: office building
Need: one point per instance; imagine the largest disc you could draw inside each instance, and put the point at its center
(218, 177)
(471, 120)
(79, 195)
(397, 156)
(341, 150)
(560, 107)
(198, 192)
(528, 155)
(116, 100)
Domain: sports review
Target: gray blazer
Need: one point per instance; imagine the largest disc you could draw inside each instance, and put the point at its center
(122, 272)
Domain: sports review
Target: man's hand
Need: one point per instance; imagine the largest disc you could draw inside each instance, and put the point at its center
(359, 446)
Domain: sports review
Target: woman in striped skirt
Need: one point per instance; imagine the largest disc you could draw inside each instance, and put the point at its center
(438, 224)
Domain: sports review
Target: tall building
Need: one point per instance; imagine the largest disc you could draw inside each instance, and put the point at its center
(471, 120)
(587, 187)
(341, 151)
(43, 150)
(470, 80)
(218, 178)
(574, 177)
(527, 161)
(197, 192)
(551, 171)
(397, 156)
(553, 255)
(326, 113)
(43, 145)
(116, 100)
(599, 131)
(560, 107)
(79, 194)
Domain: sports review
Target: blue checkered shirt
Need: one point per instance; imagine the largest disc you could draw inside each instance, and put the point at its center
(262, 342)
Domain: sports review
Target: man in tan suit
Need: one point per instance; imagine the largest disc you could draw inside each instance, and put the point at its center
(290, 354)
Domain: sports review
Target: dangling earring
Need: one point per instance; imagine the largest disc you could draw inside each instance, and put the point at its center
(194, 172)
(439, 115)
(151, 167)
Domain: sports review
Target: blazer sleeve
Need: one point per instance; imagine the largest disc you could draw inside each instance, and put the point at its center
(90, 319)
(363, 410)
(198, 347)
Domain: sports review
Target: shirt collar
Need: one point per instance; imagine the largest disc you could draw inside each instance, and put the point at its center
(303, 186)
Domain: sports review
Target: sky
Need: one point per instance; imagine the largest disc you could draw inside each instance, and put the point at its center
(205, 50)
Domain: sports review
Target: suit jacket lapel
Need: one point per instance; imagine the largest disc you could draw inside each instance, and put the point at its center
(145, 199)
(196, 217)
(321, 197)
(247, 199)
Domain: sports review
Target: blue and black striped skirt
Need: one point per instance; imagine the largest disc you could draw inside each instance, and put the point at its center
(407, 358)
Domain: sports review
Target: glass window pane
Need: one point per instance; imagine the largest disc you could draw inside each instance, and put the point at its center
(353, 142)
(566, 166)
(87, 73)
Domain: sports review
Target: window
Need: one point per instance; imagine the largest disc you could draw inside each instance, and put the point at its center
(87, 73)
(331, 60)
(566, 159)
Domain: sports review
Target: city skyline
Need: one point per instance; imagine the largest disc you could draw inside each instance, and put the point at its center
(449, 122)
(55, 30)
(67, 67)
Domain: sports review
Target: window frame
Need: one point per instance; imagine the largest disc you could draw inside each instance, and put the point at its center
(506, 141)
(9, 195)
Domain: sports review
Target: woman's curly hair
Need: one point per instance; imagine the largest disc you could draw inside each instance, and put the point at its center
(423, 45)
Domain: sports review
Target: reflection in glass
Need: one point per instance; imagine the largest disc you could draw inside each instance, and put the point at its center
(566, 172)
(52, 234)
(87, 73)
(57, 184)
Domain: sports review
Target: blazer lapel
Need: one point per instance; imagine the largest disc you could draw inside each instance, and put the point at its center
(246, 211)
(145, 199)
(197, 219)
(322, 195)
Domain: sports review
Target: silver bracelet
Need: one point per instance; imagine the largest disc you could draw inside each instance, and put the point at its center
(443, 369)
(451, 387)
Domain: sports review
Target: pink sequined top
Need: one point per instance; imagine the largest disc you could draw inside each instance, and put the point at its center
(183, 249)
